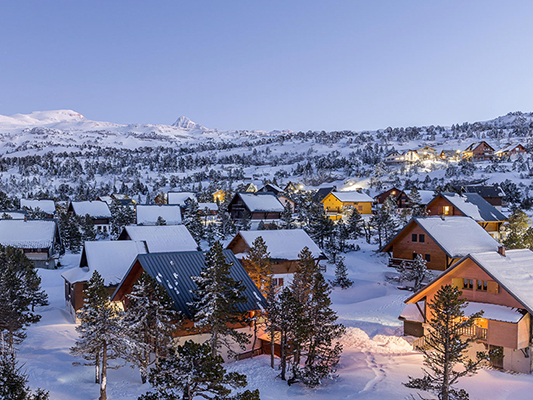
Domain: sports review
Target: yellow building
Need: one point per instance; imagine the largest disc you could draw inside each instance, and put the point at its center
(336, 202)
(218, 197)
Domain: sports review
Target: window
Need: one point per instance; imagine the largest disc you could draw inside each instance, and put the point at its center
(414, 238)
(278, 281)
(427, 257)
(446, 210)
(422, 238)
(468, 284)
(482, 285)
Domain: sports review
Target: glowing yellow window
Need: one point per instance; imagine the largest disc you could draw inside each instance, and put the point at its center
(446, 210)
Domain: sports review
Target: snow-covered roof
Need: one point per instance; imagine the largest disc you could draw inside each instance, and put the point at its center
(180, 197)
(494, 312)
(48, 206)
(474, 206)
(352, 196)
(261, 202)
(164, 238)
(148, 214)
(458, 236)
(426, 196)
(13, 214)
(509, 147)
(95, 209)
(108, 199)
(209, 206)
(462, 203)
(283, 244)
(514, 272)
(27, 234)
(411, 312)
(111, 259)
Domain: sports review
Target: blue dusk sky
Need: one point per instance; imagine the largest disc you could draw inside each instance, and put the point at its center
(299, 65)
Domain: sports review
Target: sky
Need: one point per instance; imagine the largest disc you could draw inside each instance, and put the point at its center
(299, 65)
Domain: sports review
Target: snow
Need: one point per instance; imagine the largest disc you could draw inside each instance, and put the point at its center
(48, 206)
(95, 208)
(468, 209)
(494, 312)
(412, 313)
(111, 259)
(458, 236)
(261, 202)
(148, 214)
(209, 206)
(14, 214)
(514, 271)
(179, 198)
(161, 239)
(352, 196)
(27, 234)
(426, 196)
(284, 244)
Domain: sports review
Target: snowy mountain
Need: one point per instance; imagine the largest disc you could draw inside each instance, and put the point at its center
(187, 125)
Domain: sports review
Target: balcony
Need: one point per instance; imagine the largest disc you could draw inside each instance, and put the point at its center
(474, 332)
(396, 262)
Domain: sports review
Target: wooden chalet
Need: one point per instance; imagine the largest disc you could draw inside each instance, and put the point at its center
(479, 151)
(284, 200)
(175, 271)
(48, 207)
(110, 258)
(427, 153)
(208, 212)
(493, 194)
(250, 188)
(38, 239)
(97, 210)
(336, 202)
(469, 205)
(511, 151)
(411, 156)
(440, 240)
(292, 188)
(284, 247)
(219, 196)
(321, 193)
(148, 214)
(394, 157)
(271, 188)
(400, 197)
(162, 238)
(450, 155)
(260, 206)
(497, 283)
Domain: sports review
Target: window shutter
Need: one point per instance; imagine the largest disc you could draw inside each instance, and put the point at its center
(492, 287)
(457, 282)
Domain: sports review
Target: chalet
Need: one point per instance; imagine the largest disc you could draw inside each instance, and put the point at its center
(478, 151)
(450, 155)
(411, 156)
(160, 239)
(321, 193)
(497, 283)
(36, 238)
(469, 205)
(440, 240)
(284, 200)
(511, 151)
(219, 196)
(111, 259)
(292, 188)
(260, 206)
(97, 210)
(284, 247)
(180, 198)
(336, 202)
(493, 194)
(400, 197)
(149, 214)
(271, 188)
(175, 271)
(48, 207)
(208, 212)
(394, 157)
(426, 153)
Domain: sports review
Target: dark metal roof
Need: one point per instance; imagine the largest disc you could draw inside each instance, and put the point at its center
(322, 193)
(487, 211)
(486, 190)
(174, 272)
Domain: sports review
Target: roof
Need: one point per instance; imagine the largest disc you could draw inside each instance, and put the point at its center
(14, 214)
(261, 202)
(32, 234)
(270, 187)
(174, 271)
(161, 239)
(474, 145)
(209, 206)
(486, 190)
(509, 147)
(48, 206)
(495, 312)
(95, 209)
(352, 196)
(148, 214)
(180, 197)
(426, 196)
(322, 193)
(474, 206)
(283, 244)
(110, 258)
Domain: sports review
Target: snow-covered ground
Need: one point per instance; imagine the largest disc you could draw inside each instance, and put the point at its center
(375, 361)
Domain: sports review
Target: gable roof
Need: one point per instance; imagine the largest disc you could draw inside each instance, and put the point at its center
(14, 214)
(352, 196)
(261, 202)
(474, 206)
(283, 244)
(174, 271)
(95, 209)
(161, 239)
(32, 234)
(456, 236)
(323, 192)
(148, 214)
(486, 190)
(426, 196)
(509, 147)
(180, 197)
(48, 206)
(270, 187)
(111, 259)
(475, 145)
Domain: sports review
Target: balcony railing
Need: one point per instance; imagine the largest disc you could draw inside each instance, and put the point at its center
(474, 331)
(396, 262)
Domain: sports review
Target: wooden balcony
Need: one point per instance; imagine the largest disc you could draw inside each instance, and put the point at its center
(474, 332)
(396, 262)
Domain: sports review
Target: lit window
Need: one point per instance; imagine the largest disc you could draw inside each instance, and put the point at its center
(446, 210)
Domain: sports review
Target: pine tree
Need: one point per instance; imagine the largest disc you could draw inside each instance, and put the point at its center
(192, 371)
(384, 221)
(148, 322)
(341, 275)
(415, 202)
(286, 216)
(519, 231)
(160, 221)
(415, 272)
(215, 301)
(88, 230)
(70, 232)
(320, 226)
(445, 360)
(245, 223)
(227, 227)
(258, 265)
(355, 224)
(123, 215)
(193, 221)
(14, 383)
(100, 338)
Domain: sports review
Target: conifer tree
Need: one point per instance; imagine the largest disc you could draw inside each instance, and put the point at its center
(246, 221)
(14, 383)
(88, 230)
(320, 226)
(148, 322)
(100, 337)
(341, 275)
(415, 272)
(445, 360)
(519, 231)
(355, 225)
(415, 202)
(70, 232)
(123, 215)
(192, 371)
(384, 221)
(215, 301)
(160, 221)
(286, 216)
(258, 265)
(193, 221)
(226, 226)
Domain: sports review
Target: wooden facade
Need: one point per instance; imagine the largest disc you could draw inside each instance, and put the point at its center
(238, 209)
(401, 198)
(480, 151)
(332, 204)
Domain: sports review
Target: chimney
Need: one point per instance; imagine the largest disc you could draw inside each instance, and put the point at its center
(501, 250)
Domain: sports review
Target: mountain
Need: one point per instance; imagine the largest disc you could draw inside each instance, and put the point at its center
(186, 124)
